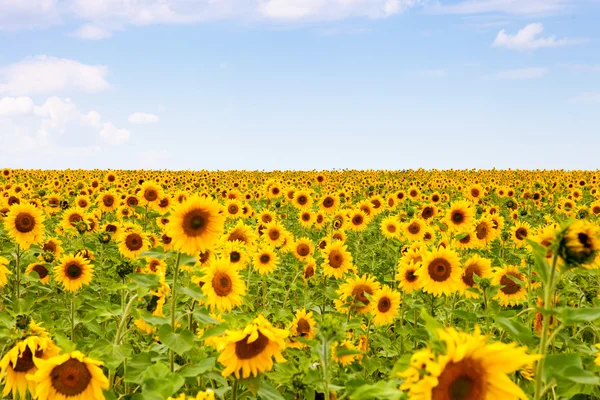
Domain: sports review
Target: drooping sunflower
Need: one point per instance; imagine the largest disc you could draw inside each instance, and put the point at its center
(440, 272)
(18, 362)
(132, 242)
(25, 224)
(337, 260)
(386, 302)
(73, 272)
(223, 285)
(470, 369)
(252, 349)
(70, 376)
(303, 326)
(196, 225)
(41, 270)
(407, 278)
(511, 292)
(352, 294)
(475, 265)
(265, 260)
(303, 248)
(460, 215)
(309, 270)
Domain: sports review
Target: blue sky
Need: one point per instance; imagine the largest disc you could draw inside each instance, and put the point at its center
(299, 84)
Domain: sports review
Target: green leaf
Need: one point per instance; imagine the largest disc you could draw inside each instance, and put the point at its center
(555, 364)
(268, 392)
(573, 315)
(540, 264)
(148, 281)
(178, 342)
(380, 390)
(194, 370)
(431, 324)
(202, 316)
(218, 330)
(194, 291)
(581, 376)
(517, 330)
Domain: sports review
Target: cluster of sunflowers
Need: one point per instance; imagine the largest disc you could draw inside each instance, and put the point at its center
(185, 274)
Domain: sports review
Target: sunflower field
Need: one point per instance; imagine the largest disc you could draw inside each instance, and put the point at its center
(420, 284)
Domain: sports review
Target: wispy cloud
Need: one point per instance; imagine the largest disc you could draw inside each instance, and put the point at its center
(585, 68)
(518, 7)
(529, 38)
(521, 73)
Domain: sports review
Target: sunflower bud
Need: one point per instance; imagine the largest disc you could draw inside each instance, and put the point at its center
(484, 283)
(81, 227)
(104, 238)
(124, 269)
(48, 257)
(22, 321)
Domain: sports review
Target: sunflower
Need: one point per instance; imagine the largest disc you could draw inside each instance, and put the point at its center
(196, 225)
(345, 359)
(328, 204)
(386, 302)
(144, 327)
(72, 218)
(581, 242)
(476, 265)
(265, 260)
(41, 270)
(159, 298)
(4, 272)
(70, 376)
(302, 199)
(352, 294)
(460, 215)
(306, 218)
(150, 194)
(413, 230)
(510, 292)
(73, 272)
(337, 260)
(390, 227)
(303, 248)
(309, 269)
(484, 231)
(155, 266)
(223, 285)
(53, 246)
(18, 362)
(273, 234)
(440, 272)
(358, 221)
(407, 277)
(204, 258)
(252, 349)
(236, 253)
(25, 224)
(469, 369)
(303, 326)
(133, 242)
(520, 232)
(233, 208)
(107, 201)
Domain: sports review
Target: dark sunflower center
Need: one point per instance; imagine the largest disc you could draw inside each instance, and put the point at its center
(50, 247)
(134, 242)
(427, 212)
(303, 250)
(234, 256)
(468, 275)
(309, 272)
(391, 228)
(222, 284)
(233, 209)
(521, 233)
(265, 258)
(247, 351)
(25, 360)
(41, 270)
(266, 218)
(435, 198)
(359, 294)
(510, 286)
(328, 202)
(274, 234)
(111, 228)
(302, 200)
(384, 305)
(73, 271)
(75, 218)
(166, 239)
(410, 276)
(357, 220)
(439, 269)
(237, 235)
(481, 231)
(475, 192)
(204, 256)
(466, 239)
(24, 222)
(108, 201)
(303, 327)
(71, 377)
(305, 217)
(458, 217)
(336, 259)
(151, 194)
(585, 240)
(464, 380)
(132, 201)
(414, 228)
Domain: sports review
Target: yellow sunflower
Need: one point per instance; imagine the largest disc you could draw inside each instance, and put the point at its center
(25, 224)
(303, 326)
(385, 308)
(236, 253)
(274, 234)
(581, 242)
(303, 248)
(345, 359)
(4, 272)
(352, 294)
(440, 272)
(133, 242)
(265, 260)
(41, 270)
(358, 221)
(252, 349)
(53, 246)
(223, 285)
(511, 292)
(70, 376)
(18, 362)
(407, 278)
(337, 260)
(390, 227)
(73, 272)
(107, 201)
(150, 194)
(460, 215)
(476, 265)
(196, 225)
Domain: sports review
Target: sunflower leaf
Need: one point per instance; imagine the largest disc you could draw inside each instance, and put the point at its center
(570, 315)
(516, 329)
(267, 392)
(148, 281)
(178, 342)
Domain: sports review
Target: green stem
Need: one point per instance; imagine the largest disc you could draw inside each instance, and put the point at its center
(18, 272)
(235, 390)
(325, 360)
(73, 318)
(367, 347)
(173, 302)
(548, 290)
(118, 337)
(264, 291)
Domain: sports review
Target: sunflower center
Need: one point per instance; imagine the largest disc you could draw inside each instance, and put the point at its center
(50, 247)
(221, 284)
(41, 271)
(427, 212)
(265, 258)
(410, 276)
(194, 222)
(464, 380)
(303, 327)
(166, 239)
(134, 242)
(384, 305)
(303, 250)
(458, 217)
(71, 377)
(247, 351)
(24, 222)
(204, 256)
(510, 286)
(234, 256)
(468, 275)
(439, 269)
(233, 209)
(585, 240)
(336, 259)
(357, 220)
(302, 200)
(305, 217)
(414, 228)
(328, 202)
(481, 231)
(73, 271)
(108, 201)
(309, 272)
(25, 360)
(359, 293)
(274, 234)
(521, 233)
(75, 218)
(391, 228)
(475, 192)
(151, 194)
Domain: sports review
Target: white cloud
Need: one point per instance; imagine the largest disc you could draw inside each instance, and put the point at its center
(528, 39)
(586, 68)
(518, 7)
(44, 74)
(92, 32)
(113, 135)
(332, 9)
(586, 98)
(19, 14)
(140, 118)
(521, 73)
(92, 118)
(14, 106)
